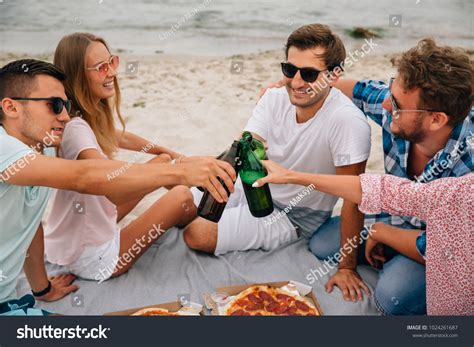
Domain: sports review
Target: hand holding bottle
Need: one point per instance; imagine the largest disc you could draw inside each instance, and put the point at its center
(210, 208)
(276, 174)
(206, 173)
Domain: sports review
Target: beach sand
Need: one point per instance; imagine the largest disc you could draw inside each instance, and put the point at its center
(198, 105)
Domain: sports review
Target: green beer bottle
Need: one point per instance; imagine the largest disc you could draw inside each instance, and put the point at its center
(257, 146)
(251, 169)
(209, 208)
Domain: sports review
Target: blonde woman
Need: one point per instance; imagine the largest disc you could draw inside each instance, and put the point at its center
(82, 232)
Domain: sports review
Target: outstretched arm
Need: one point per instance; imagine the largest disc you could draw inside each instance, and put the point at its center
(345, 85)
(119, 180)
(133, 142)
(374, 194)
(346, 187)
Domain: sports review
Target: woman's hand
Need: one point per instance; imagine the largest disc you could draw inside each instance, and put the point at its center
(276, 174)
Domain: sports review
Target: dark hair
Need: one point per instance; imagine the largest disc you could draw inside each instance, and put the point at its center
(444, 76)
(313, 35)
(17, 79)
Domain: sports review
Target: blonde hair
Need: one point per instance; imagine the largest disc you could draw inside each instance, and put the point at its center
(70, 57)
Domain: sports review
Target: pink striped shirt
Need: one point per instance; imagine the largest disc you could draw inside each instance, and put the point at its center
(447, 207)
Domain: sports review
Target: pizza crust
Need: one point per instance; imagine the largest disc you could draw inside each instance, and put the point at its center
(155, 311)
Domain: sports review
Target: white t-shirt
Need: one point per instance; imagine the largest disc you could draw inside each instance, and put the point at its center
(338, 135)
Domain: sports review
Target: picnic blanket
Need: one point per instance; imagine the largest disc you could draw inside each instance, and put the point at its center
(169, 269)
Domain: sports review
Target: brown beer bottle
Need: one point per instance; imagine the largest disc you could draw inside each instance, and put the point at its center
(209, 208)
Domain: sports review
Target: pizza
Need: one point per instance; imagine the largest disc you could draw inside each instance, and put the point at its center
(155, 311)
(262, 300)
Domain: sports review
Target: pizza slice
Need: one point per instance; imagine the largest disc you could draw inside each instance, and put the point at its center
(262, 300)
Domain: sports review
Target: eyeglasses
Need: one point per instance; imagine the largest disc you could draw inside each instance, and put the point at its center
(57, 104)
(103, 67)
(395, 109)
(308, 74)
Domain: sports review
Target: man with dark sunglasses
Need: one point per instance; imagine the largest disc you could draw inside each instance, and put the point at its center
(309, 127)
(33, 114)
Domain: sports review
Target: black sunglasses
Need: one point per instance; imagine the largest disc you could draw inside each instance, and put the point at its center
(308, 74)
(57, 103)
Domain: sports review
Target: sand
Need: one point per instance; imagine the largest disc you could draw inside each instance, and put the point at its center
(198, 105)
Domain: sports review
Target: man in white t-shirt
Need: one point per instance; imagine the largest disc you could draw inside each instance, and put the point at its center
(310, 127)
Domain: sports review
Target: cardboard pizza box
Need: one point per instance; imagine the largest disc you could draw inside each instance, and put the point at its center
(170, 306)
(305, 291)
